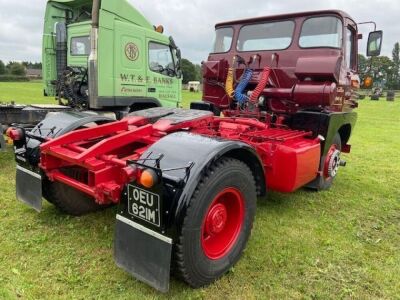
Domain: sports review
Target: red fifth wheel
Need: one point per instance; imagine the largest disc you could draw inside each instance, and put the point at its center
(217, 224)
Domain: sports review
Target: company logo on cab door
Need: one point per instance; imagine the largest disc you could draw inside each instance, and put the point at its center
(131, 51)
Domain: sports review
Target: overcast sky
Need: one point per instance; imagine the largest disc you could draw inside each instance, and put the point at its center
(192, 22)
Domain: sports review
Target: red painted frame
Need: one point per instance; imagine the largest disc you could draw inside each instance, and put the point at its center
(290, 157)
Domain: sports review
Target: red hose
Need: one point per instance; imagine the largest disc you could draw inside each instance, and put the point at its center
(261, 85)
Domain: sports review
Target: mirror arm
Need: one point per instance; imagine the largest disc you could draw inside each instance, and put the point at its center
(369, 22)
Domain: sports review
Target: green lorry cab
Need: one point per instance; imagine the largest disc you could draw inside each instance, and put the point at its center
(105, 55)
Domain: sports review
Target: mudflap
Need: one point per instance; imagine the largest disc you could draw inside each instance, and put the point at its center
(2, 140)
(29, 187)
(142, 252)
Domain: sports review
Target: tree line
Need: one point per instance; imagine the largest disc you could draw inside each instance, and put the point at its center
(385, 71)
(18, 69)
(190, 71)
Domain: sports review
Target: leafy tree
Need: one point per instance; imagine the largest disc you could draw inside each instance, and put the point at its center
(199, 76)
(189, 71)
(17, 69)
(2, 68)
(32, 65)
(394, 81)
(363, 66)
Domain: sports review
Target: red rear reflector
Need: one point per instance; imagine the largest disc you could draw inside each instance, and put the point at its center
(14, 133)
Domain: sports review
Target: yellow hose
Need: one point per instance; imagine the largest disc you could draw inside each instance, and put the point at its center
(229, 83)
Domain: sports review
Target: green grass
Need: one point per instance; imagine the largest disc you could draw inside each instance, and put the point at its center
(32, 93)
(342, 243)
(24, 93)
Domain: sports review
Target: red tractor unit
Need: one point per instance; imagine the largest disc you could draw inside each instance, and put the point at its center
(277, 112)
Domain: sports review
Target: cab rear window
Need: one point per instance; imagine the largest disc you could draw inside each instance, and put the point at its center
(223, 40)
(266, 36)
(80, 45)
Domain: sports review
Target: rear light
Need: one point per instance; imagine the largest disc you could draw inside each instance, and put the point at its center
(148, 178)
(15, 134)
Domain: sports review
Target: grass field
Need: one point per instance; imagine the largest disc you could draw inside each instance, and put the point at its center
(32, 93)
(26, 92)
(342, 243)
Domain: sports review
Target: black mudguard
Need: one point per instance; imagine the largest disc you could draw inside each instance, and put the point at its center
(54, 125)
(324, 124)
(183, 158)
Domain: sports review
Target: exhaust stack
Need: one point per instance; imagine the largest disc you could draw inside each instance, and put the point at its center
(61, 48)
(93, 66)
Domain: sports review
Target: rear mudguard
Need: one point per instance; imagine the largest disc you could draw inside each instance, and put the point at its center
(29, 184)
(145, 250)
(54, 125)
(194, 154)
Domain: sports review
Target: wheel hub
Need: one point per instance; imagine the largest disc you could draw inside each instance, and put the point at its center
(222, 223)
(216, 219)
(332, 162)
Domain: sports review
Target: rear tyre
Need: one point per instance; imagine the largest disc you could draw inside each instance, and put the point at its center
(217, 224)
(70, 200)
(46, 190)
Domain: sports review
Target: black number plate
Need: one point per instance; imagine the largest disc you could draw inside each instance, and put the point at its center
(144, 205)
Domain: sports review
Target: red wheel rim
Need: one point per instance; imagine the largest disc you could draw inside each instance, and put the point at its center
(222, 223)
(332, 162)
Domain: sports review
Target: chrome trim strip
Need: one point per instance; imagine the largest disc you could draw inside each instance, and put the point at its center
(36, 175)
(144, 229)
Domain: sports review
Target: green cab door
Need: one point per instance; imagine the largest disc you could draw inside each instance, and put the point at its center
(130, 61)
(163, 83)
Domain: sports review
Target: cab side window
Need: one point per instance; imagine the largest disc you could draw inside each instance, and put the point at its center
(349, 55)
(80, 45)
(160, 59)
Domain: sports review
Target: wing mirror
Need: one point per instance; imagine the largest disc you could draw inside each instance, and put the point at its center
(374, 43)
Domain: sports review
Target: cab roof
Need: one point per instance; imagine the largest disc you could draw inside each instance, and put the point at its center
(121, 8)
(339, 13)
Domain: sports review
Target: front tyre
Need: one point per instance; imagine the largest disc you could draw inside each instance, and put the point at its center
(217, 224)
(330, 164)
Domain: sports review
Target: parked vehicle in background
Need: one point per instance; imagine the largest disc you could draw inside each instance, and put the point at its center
(102, 58)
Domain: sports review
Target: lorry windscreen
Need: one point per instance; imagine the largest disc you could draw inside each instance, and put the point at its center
(321, 32)
(266, 36)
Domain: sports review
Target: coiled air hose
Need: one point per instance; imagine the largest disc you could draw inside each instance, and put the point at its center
(229, 83)
(244, 81)
(261, 85)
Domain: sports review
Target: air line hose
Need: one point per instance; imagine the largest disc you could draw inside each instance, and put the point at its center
(261, 85)
(229, 83)
(239, 96)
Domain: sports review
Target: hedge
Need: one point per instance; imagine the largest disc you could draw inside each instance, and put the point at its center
(10, 78)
